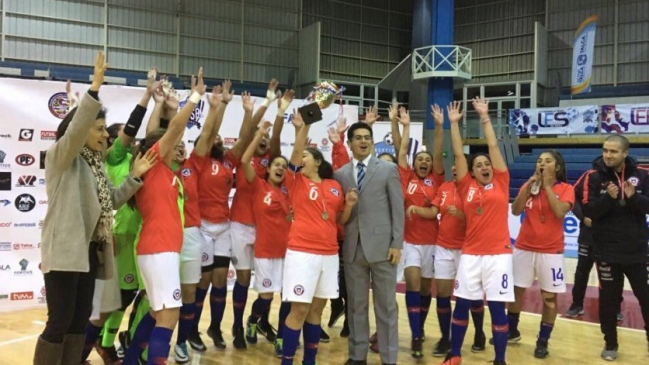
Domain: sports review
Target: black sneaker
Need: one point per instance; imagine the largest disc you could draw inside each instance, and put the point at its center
(195, 341)
(239, 340)
(124, 342)
(575, 311)
(266, 329)
(344, 333)
(416, 348)
(251, 331)
(423, 335)
(217, 337)
(479, 340)
(324, 337)
(541, 350)
(337, 311)
(442, 348)
(514, 336)
(500, 363)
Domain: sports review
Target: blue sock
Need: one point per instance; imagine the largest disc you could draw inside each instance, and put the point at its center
(159, 346)
(477, 314)
(413, 305)
(284, 310)
(185, 321)
(311, 340)
(140, 339)
(92, 334)
(198, 304)
(499, 328)
(425, 306)
(460, 323)
(289, 346)
(546, 330)
(259, 308)
(217, 306)
(444, 317)
(512, 319)
(239, 299)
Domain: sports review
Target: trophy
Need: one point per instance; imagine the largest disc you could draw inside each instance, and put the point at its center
(323, 95)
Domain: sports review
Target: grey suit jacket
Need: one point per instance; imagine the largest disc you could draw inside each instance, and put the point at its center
(73, 201)
(379, 215)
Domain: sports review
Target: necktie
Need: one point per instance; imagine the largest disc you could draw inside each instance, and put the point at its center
(360, 175)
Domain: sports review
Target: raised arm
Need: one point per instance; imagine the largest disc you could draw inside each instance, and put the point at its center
(394, 128)
(300, 138)
(246, 159)
(339, 155)
(218, 101)
(497, 160)
(275, 140)
(68, 146)
(127, 135)
(404, 119)
(438, 139)
(454, 117)
(177, 125)
(248, 124)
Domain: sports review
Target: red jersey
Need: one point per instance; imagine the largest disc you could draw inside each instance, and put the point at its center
(241, 210)
(188, 173)
(315, 214)
(541, 230)
(451, 228)
(340, 158)
(271, 208)
(157, 201)
(214, 185)
(420, 193)
(487, 213)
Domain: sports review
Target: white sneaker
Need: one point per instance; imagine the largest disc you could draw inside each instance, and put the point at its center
(180, 354)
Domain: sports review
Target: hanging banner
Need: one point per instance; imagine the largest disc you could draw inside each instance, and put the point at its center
(582, 55)
(572, 120)
(625, 118)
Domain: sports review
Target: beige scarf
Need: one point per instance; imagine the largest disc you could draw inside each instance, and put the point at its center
(103, 233)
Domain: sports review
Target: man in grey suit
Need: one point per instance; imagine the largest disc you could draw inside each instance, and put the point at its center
(372, 245)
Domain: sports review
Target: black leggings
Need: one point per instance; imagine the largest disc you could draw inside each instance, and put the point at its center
(69, 300)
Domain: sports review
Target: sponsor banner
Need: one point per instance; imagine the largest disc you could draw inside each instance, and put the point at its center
(572, 120)
(625, 118)
(582, 55)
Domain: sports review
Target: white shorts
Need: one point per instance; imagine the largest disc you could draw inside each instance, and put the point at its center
(107, 296)
(268, 275)
(190, 256)
(307, 276)
(446, 262)
(490, 275)
(243, 245)
(546, 267)
(421, 256)
(160, 274)
(217, 240)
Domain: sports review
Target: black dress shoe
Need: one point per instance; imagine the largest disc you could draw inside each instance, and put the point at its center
(356, 362)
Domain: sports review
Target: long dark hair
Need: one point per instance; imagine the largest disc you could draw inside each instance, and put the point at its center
(113, 132)
(474, 156)
(325, 170)
(560, 163)
(142, 147)
(394, 160)
(65, 123)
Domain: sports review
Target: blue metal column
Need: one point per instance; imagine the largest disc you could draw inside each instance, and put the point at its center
(440, 90)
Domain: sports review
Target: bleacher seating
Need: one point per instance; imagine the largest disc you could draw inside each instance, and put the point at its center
(578, 160)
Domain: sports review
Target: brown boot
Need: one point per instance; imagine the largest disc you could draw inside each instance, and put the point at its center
(72, 349)
(47, 353)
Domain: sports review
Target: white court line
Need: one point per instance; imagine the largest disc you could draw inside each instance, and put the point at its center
(38, 323)
(196, 359)
(19, 339)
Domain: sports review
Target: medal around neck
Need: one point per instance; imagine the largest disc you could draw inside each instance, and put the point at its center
(479, 211)
(325, 215)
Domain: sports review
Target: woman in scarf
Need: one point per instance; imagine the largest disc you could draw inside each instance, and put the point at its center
(80, 196)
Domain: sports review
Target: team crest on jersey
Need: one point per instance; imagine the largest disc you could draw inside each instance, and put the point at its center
(427, 182)
(227, 164)
(186, 172)
(634, 181)
(298, 290)
(267, 283)
(264, 162)
(489, 186)
(284, 190)
(205, 257)
(335, 191)
(177, 294)
(128, 278)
